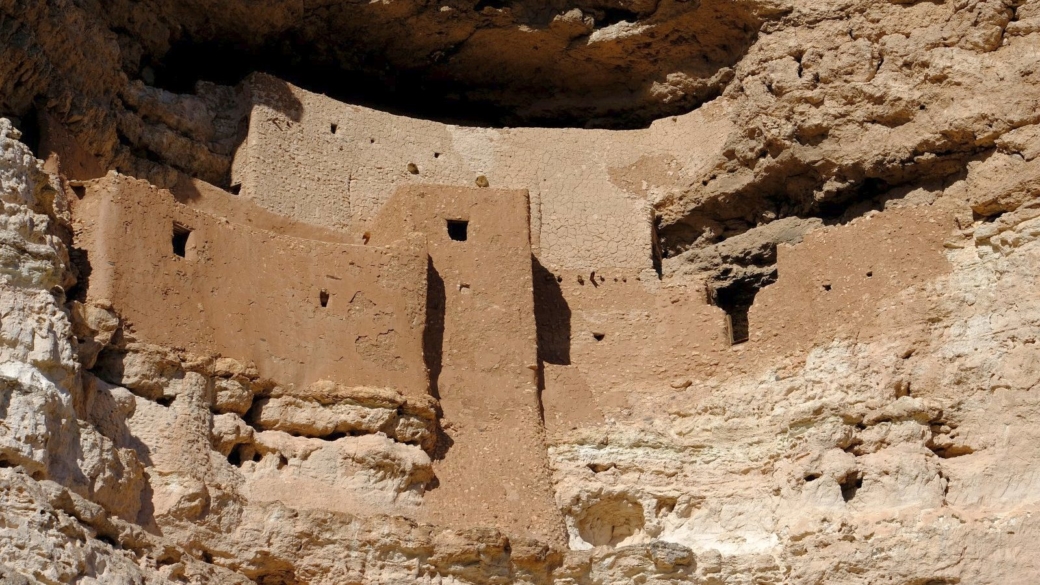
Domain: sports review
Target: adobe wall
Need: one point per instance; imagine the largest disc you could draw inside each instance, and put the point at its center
(602, 344)
(664, 334)
(830, 288)
(605, 344)
(255, 295)
(482, 328)
(832, 285)
(591, 190)
(590, 197)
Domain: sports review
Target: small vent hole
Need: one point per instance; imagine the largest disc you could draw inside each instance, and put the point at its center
(80, 191)
(458, 229)
(235, 189)
(333, 128)
(599, 336)
(323, 298)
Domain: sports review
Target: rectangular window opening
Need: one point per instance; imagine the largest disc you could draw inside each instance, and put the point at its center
(181, 235)
(738, 325)
(457, 229)
(736, 299)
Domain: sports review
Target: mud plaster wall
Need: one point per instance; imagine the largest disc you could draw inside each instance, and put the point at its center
(590, 190)
(603, 315)
(623, 335)
(590, 194)
(254, 295)
(833, 285)
(481, 336)
(631, 337)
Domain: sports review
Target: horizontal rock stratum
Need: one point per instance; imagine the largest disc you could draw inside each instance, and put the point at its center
(490, 292)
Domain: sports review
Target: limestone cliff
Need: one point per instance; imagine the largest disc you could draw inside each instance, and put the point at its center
(717, 291)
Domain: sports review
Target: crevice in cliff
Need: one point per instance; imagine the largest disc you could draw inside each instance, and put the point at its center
(850, 485)
(945, 482)
(943, 440)
(952, 451)
(29, 125)
(243, 452)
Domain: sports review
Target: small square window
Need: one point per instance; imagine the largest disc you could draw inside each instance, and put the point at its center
(457, 229)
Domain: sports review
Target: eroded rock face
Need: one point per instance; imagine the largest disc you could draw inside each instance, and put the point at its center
(837, 106)
(606, 62)
(859, 198)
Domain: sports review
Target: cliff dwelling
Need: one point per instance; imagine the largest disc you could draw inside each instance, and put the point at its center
(657, 292)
